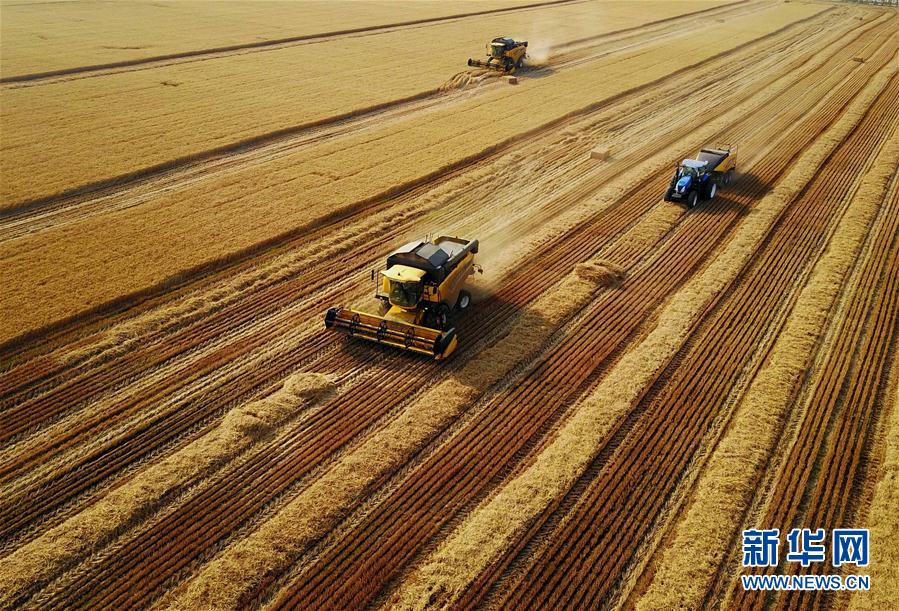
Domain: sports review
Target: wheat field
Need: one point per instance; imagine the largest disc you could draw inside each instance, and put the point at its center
(188, 186)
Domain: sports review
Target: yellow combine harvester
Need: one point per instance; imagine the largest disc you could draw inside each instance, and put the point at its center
(503, 54)
(419, 291)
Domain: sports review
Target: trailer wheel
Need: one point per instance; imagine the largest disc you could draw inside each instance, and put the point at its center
(464, 301)
(692, 199)
(729, 176)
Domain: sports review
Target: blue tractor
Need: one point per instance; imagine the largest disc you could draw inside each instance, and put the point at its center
(696, 179)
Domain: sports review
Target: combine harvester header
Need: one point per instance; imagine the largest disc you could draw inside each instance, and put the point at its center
(419, 291)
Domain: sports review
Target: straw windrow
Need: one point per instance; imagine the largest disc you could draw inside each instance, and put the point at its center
(34, 564)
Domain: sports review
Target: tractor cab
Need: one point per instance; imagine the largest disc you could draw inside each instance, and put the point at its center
(691, 167)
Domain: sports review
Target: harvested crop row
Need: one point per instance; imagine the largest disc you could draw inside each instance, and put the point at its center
(881, 517)
(725, 486)
(454, 490)
(678, 418)
(334, 179)
(843, 407)
(30, 567)
(707, 395)
(444, 574)
(227, 580)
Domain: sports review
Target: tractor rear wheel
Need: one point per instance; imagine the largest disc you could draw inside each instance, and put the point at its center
(711, 190)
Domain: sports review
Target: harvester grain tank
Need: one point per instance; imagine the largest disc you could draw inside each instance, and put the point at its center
(420, 291)
(503, 54)
(700, 178)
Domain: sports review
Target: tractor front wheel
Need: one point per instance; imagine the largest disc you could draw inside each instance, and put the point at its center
(693, 199)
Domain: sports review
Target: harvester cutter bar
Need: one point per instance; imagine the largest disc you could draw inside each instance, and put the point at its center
(414, 338)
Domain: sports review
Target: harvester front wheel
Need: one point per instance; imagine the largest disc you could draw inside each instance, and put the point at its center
(443, 317)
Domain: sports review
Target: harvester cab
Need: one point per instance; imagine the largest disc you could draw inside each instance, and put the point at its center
(503, 54)
(419, 291)
(700, 178)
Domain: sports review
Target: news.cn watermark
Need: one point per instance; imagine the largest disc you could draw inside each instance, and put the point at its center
(846, 546)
